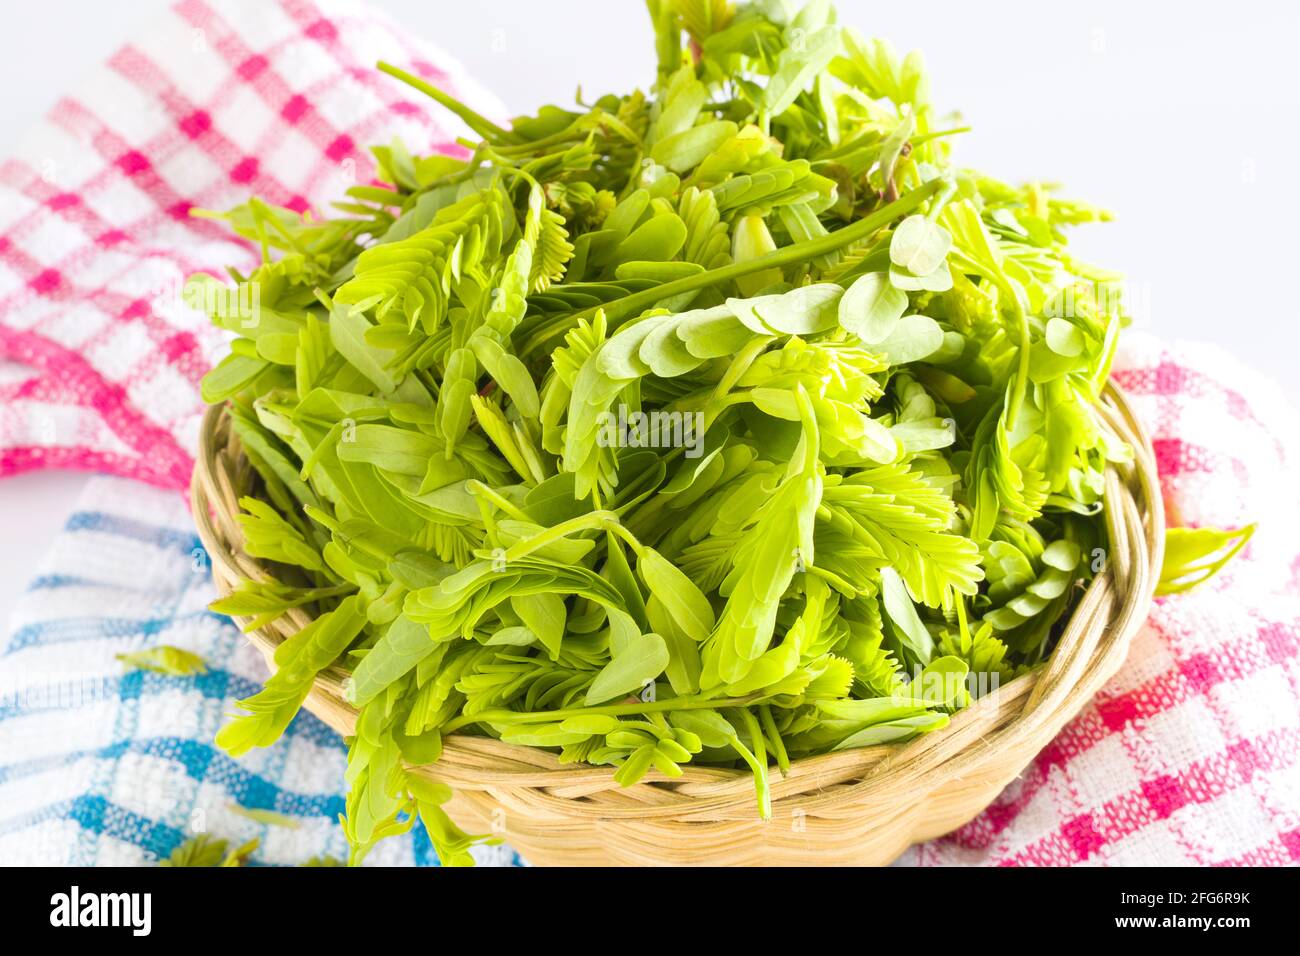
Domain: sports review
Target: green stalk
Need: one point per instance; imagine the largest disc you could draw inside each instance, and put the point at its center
(591, 521)
(757, 762)
(637, 302)
(481, 491)
(774, 738)
(1021, 381)
(741, 364)
(479, 124)
(608, 710)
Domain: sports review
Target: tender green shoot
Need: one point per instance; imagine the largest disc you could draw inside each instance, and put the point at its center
(723, 424)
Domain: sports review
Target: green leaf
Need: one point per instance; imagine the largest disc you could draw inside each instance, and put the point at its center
(804, 311)
(165, 659)
(710, 726)
(200, 850)
(544, 615)
(872, 308)
(942, 683)
(689, 608)
(231, 376)
(299, 659)
(940, 280)
(658, 240)
(919, 245)
(264, 817)
(798, 67)
(913, 338)
(685, 150)
(1064, 338)
(908, 627)
(638, 663)
(268, 535)
(894, 731)
(348, 334)
(1194, 555)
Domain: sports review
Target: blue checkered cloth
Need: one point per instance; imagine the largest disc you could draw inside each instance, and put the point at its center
(102, 765)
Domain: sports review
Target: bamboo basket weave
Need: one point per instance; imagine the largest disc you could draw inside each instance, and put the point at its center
(852, 807)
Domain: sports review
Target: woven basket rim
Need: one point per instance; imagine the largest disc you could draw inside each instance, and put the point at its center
(1017, 715)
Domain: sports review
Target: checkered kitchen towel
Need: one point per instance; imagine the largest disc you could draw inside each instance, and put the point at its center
(100, 359)
(1189, 756)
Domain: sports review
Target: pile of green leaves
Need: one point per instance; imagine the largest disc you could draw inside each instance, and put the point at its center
(900, 478)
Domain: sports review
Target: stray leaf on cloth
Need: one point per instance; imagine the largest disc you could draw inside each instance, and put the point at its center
(165, 659)
(203, 850)
(1194, 555)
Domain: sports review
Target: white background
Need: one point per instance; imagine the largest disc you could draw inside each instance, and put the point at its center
(1180, 117)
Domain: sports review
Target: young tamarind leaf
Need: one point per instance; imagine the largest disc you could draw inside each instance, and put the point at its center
(680, 427)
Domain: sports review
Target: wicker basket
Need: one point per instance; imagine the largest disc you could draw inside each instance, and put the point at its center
(853, 807)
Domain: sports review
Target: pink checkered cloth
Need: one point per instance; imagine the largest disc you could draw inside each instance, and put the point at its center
(1188, 757)
(100, 359)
